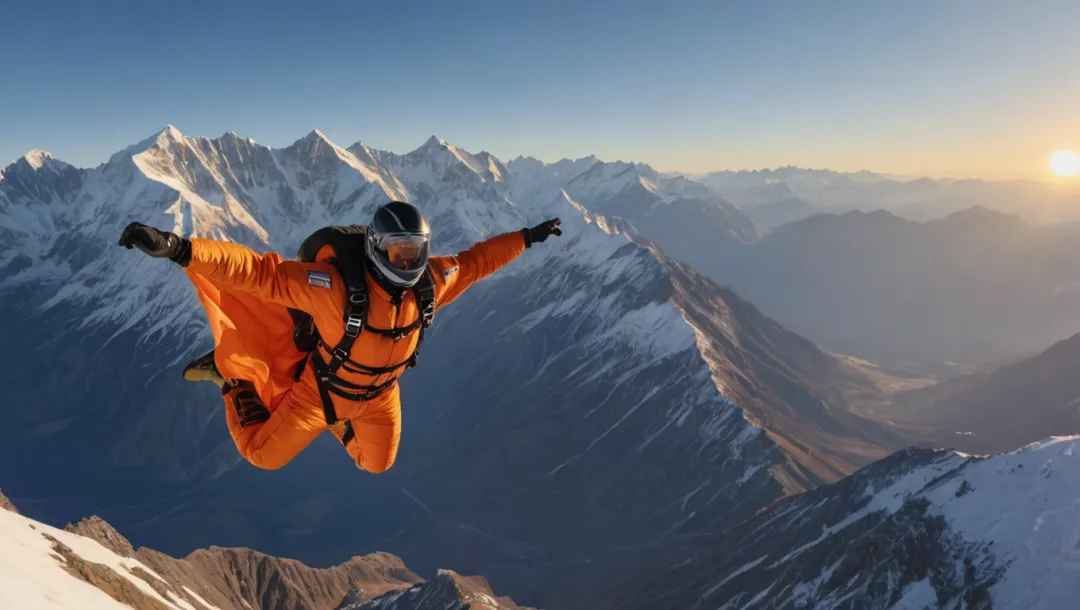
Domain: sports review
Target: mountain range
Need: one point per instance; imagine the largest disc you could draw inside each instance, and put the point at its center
(996, 410)
(612, 395)
(600, 401)
(976, 287)
(786, 194)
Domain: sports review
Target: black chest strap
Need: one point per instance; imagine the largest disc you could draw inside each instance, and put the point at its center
(355, 318)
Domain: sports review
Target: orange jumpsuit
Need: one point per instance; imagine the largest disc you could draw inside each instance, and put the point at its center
(246, 296)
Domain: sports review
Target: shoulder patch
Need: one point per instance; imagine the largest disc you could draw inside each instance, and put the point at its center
(318, 278)
(450, 270)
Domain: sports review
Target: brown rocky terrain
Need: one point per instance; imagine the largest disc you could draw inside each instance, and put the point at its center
(6, 504)
(243, 578)
(449, 591)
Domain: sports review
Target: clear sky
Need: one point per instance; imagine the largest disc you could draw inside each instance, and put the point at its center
(971, 87)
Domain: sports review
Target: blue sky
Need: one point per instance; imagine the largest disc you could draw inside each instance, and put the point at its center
(976, 87)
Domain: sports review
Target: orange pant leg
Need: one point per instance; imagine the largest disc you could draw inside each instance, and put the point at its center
(375, 433)
(270, 439)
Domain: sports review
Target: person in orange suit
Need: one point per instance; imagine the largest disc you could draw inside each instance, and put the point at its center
(280, 395)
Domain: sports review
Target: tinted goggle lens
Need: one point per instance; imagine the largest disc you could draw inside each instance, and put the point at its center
(404, 251)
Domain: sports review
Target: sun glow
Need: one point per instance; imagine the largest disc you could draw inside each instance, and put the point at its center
(1065, 163)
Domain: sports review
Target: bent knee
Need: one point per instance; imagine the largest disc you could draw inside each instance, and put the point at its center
(267, 460)
(377, 464)
(265, 464)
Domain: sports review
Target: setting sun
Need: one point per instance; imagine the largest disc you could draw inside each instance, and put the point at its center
(1065, 163)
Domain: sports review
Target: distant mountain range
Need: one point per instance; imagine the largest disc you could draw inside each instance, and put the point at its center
(1000, 409)
(977, 286)
(787, 194)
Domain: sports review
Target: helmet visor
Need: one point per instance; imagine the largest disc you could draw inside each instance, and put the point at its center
(404, 252)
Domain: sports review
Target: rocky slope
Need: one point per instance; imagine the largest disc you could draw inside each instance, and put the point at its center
(6, 504)
(89, 565)
(449, 591)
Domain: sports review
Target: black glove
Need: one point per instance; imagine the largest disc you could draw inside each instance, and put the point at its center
(157, 244)
(541, 232)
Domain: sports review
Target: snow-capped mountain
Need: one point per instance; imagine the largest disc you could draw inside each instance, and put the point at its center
(920, 529)
(609, 395)
(687, 219)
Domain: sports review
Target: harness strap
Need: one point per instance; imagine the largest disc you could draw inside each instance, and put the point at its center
(355, 318)
(349, 433)
(425, 301)
(322, 382)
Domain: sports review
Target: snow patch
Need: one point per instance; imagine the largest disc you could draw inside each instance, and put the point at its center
(32, 576)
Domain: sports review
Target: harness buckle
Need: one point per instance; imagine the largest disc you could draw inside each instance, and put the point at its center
(358, 297)
(353, 325)
(341, 354)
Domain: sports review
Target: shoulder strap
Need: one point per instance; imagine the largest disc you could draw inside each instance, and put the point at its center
(348, 245)
(424, 290)
(425, 298)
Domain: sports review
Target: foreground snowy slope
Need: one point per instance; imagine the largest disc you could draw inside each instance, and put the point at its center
(44, 567)
(91, 566)
(920, 529)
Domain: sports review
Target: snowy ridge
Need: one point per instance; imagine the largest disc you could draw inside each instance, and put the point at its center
(919, 529)
(33, 574)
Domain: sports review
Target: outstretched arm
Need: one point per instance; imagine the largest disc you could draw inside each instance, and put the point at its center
(268, 277)
(455, 274)
(303, 286)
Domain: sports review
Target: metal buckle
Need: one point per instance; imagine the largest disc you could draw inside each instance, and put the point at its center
(341, 354)
(358, 298)
(354, 325)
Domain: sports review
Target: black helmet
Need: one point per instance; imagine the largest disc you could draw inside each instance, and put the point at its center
(399, 240)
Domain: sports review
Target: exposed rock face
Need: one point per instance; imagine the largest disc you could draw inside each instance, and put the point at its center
(37, 559)
(449, 591)
(105, 578)
(97, 529)
(243, 576)
(6, 504)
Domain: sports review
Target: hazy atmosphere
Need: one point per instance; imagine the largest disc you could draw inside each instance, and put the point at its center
(913, 88)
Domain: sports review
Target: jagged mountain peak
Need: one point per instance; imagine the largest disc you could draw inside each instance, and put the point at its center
(314, 136)
(36, 162)
(170, 132)
(434, 142)
(37, 158)
(231, 137)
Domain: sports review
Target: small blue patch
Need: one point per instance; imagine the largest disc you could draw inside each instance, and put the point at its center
(317, 278)
(449, 271)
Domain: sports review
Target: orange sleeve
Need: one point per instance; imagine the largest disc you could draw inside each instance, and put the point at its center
(454, 274)
(305, 286)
